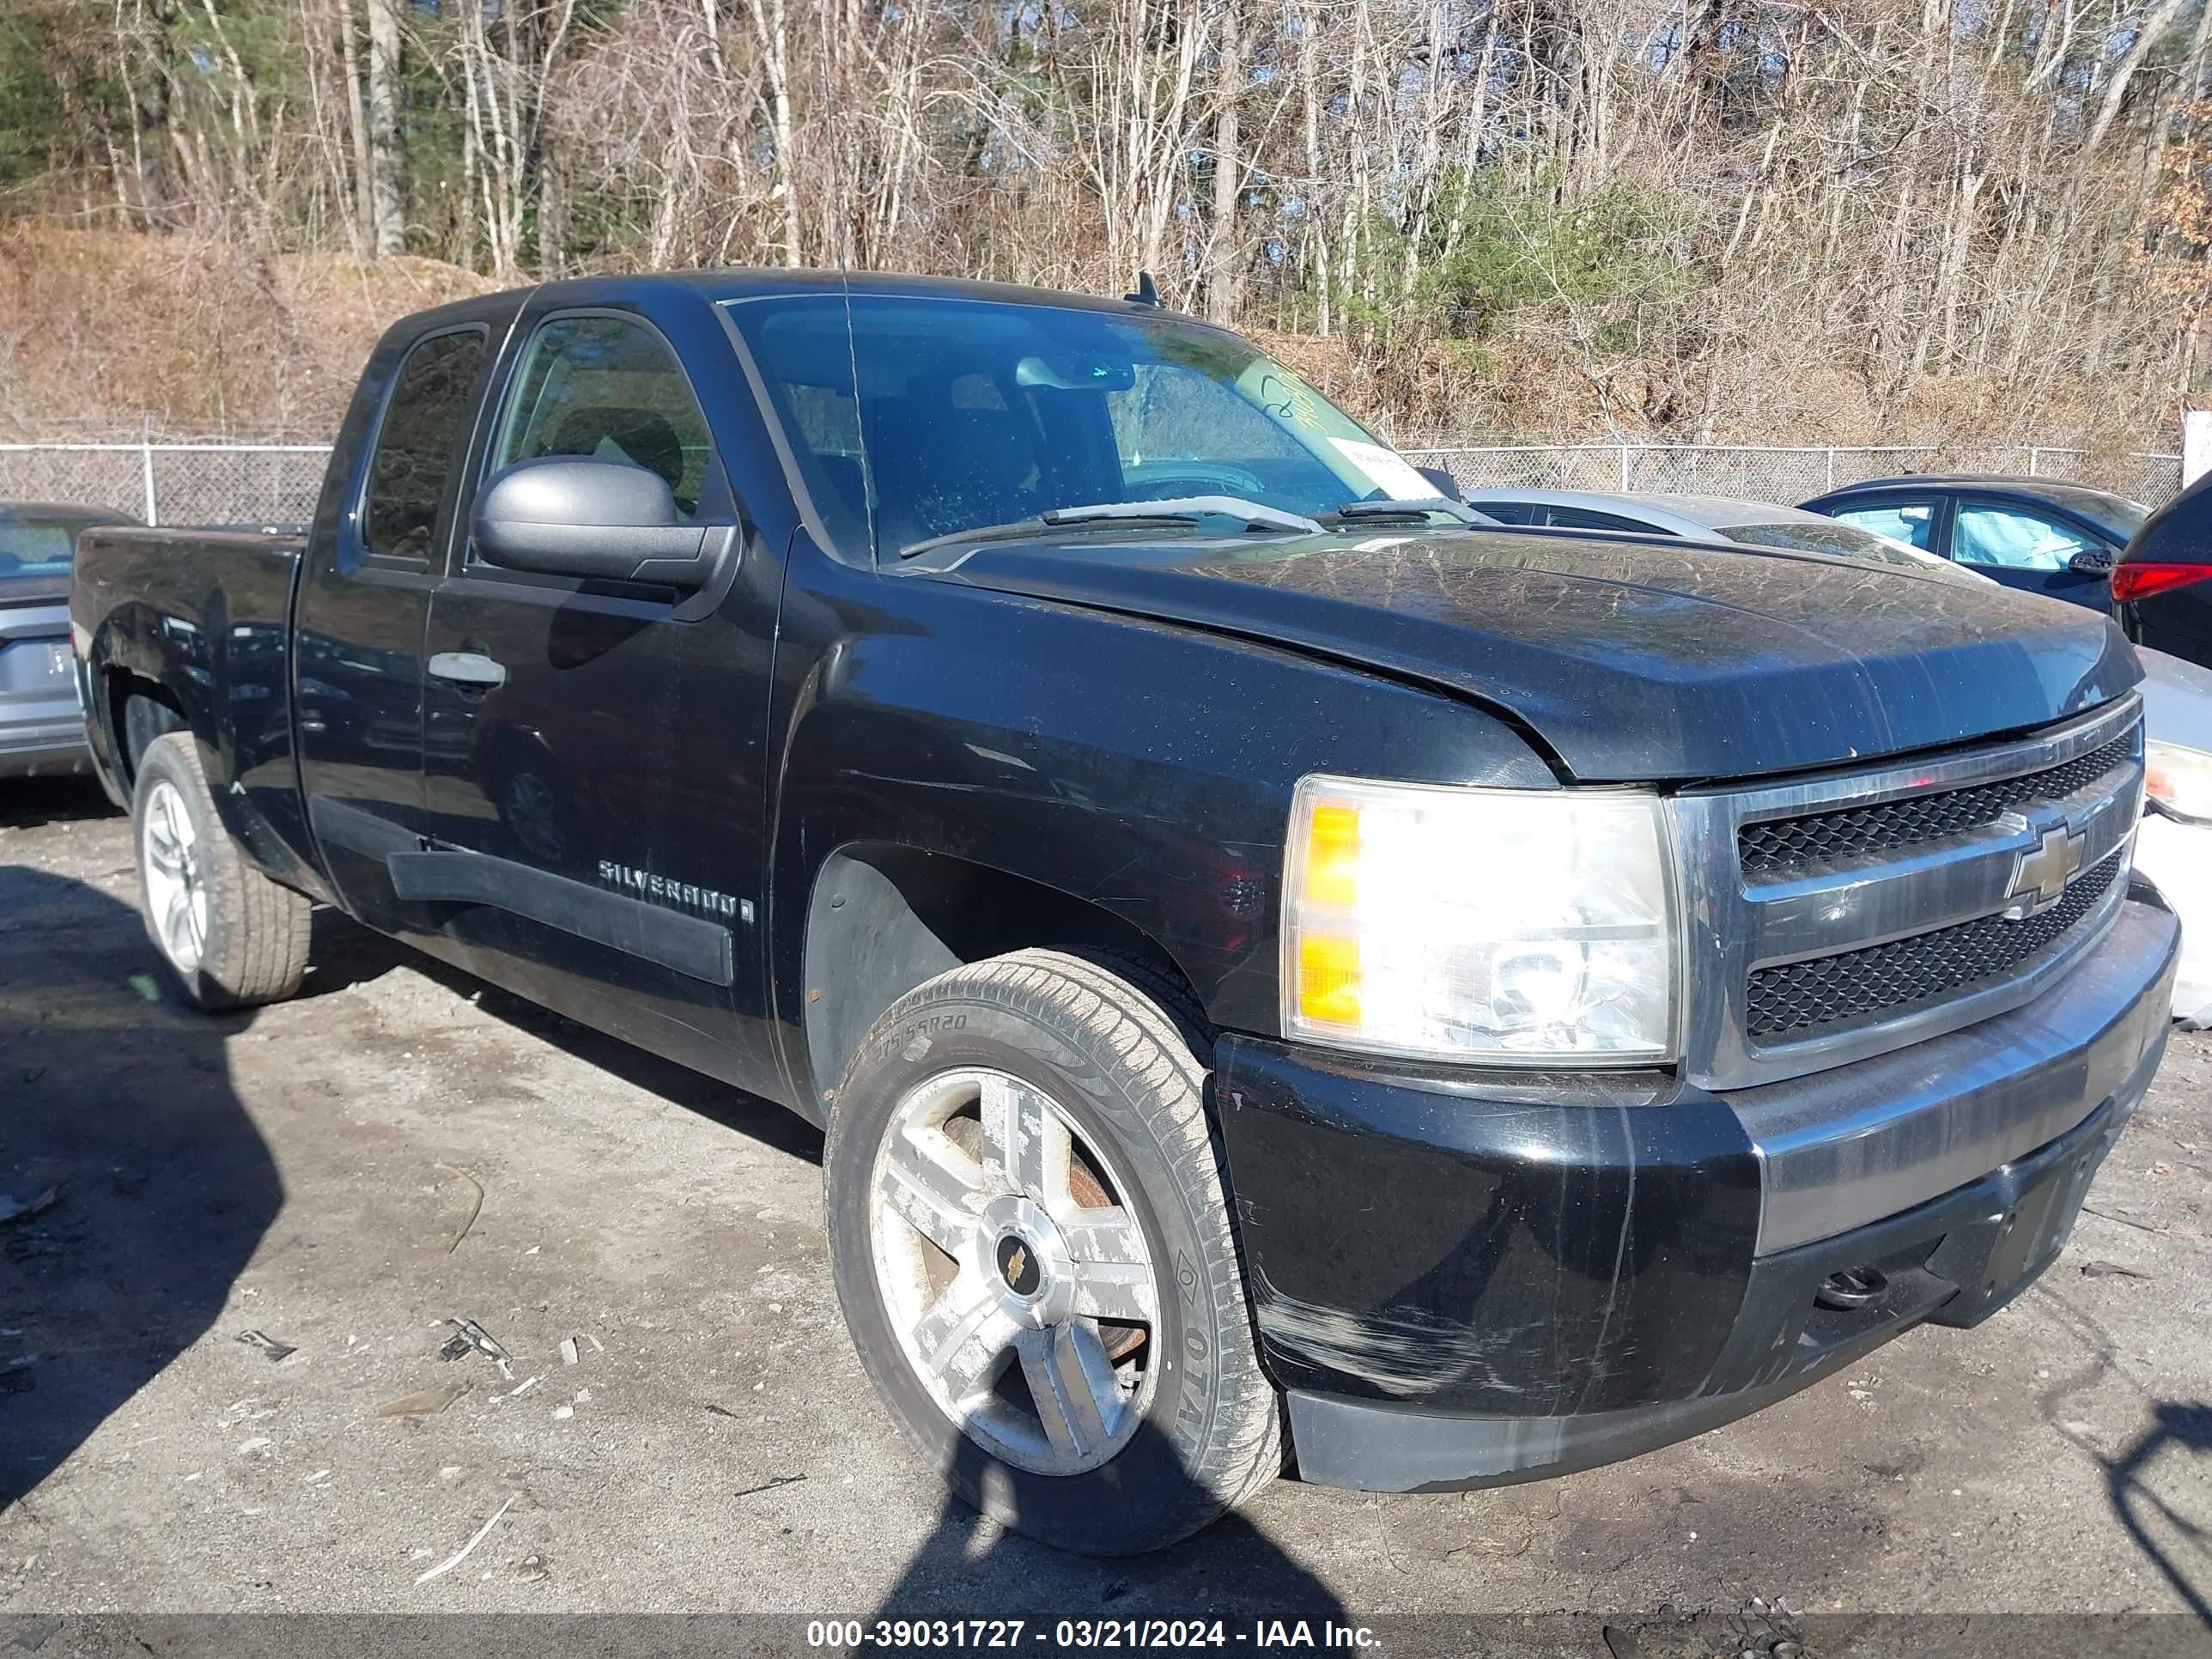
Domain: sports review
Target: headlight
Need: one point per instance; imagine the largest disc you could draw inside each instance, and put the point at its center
(1511, 926)
(2178, 781)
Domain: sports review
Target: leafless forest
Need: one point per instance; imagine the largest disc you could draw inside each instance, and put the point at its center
(1704, 219)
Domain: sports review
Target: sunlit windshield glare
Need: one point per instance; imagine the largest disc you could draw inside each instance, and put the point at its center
(944, 416)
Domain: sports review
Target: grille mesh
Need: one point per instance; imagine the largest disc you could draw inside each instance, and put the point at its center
(1782, 846)
(1799, 998)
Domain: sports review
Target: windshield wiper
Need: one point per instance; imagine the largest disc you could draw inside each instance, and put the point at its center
(1255, 514)
(1181, 510)
(1458, 510)
(1025, 530)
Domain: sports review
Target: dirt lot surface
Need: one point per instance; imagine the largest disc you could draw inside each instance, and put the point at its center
(311, 1173)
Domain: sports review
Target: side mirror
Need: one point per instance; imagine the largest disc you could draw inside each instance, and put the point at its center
(1447, 486)
(2090, 562)
(566, 515)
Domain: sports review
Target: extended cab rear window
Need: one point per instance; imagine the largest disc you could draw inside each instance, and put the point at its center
(417, 443)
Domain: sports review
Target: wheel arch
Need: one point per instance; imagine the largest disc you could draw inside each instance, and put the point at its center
(885, 916)
(129, 730)
(128, 709)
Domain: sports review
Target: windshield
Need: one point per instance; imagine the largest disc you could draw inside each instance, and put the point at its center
(39, 547)
(940, 416)
(1832, 538)
(2116, 516)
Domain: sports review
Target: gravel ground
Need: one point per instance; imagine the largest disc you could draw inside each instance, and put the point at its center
(309, 1173)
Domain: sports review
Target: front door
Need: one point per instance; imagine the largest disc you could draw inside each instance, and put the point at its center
(364, 600)
(596, 745)
(2033, 552)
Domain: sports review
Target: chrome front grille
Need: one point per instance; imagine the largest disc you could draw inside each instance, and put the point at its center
(1840, 916)
(1780, 846)
(1799, 998)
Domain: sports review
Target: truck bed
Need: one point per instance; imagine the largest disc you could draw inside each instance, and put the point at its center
(194, 623)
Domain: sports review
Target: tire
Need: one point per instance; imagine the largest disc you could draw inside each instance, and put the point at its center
(233, 938)
(959, 1291)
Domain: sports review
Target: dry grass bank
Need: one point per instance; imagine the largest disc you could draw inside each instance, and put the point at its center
(99, 329)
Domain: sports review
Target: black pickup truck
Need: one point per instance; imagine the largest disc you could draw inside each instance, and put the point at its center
(1284, 969)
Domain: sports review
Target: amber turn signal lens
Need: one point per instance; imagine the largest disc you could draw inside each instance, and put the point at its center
(1332, 855)
(1328, 980)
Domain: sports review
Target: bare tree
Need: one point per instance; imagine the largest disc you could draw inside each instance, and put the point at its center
(1225, 246)
(1817, 218)
(387, 141)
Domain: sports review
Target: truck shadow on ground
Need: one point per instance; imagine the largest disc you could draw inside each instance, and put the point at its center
(34, 803)
(2146, 1514)
(345, 954)
(970, 1568)
(162, 1187)
(2166, 1537)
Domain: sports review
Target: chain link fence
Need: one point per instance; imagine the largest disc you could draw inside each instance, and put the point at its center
(1784, 475)
(239, 484)
(202, 483)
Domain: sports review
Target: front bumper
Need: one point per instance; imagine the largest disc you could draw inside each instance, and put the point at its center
(1471, 1279)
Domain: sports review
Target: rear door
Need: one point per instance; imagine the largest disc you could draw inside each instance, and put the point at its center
(2030, 549)
(364, 600)
(595, 745)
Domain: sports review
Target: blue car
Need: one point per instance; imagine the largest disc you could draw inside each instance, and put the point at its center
(2036, 534)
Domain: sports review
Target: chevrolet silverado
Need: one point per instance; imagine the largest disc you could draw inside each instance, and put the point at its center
(1289, 972)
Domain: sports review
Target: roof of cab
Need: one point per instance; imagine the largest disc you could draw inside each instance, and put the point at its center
(754, 284)
(742, 283)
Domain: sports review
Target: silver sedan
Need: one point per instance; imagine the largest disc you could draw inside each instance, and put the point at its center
(1706, 518)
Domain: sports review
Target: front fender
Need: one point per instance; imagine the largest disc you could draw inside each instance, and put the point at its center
(1141, 768)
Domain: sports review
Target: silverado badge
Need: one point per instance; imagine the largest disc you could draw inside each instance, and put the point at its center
(676, 892)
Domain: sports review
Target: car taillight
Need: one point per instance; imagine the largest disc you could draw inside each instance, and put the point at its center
(2139, 582)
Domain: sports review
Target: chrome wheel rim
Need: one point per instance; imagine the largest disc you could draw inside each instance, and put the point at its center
(176, 881)
(1017, 1281)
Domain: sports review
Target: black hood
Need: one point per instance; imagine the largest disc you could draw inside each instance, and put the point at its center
(1632, 660)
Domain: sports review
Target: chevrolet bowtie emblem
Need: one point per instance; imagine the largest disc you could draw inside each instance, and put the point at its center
(2039, 880)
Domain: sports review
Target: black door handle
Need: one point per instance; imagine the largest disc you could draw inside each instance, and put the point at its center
(470, 670)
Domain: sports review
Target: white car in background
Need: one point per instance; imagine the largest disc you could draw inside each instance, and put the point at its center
(2174, 843)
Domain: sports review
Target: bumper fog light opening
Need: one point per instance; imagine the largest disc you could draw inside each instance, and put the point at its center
(1852, 1287)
